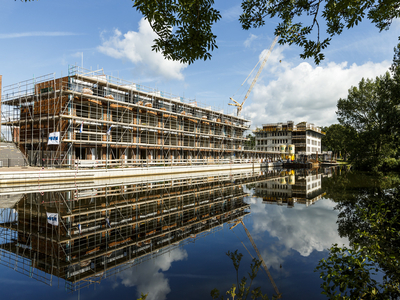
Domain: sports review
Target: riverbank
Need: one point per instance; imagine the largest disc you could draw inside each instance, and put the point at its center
(35, 176)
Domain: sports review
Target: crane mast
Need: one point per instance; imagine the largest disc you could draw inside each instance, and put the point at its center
(237, 104)
(279, 295)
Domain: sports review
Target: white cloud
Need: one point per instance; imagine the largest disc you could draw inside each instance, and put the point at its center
(249, 40)
(136, 47)
(77, 54)
(35, 34)
(305, 92)
(232, 13)
(396, 23)
(147, 278)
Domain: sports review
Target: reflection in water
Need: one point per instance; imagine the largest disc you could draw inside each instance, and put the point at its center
(88, 233)
(302, 186)
(147, 278)
(123, 229)
(301, 229)
(369, 215)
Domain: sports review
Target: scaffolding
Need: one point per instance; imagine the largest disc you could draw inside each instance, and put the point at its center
(104, 230)
(95, 119)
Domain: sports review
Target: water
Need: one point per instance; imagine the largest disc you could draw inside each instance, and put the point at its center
(168, 236)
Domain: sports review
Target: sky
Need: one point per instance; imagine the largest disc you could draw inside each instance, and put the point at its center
(45, 37)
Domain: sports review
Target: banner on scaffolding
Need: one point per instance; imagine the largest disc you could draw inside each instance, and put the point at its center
(54, 138)
(109, 130)
(52, 218)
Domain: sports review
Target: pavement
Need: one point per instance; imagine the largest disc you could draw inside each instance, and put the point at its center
(10, 156)
(18, 169)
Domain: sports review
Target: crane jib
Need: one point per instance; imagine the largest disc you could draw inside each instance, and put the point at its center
(240, 106)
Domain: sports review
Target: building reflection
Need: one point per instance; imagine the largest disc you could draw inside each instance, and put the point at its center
(300, 186)
(86, 234)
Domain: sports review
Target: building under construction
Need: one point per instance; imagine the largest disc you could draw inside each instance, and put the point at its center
(285, 140)
(97, 119)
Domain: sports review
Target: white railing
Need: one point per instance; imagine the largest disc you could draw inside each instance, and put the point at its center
(152, 163)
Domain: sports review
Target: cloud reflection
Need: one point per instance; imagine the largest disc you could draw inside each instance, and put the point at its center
(147, 278)
(303, 229)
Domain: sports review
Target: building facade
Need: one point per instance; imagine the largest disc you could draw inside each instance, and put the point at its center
(276, 137)
(90, 116)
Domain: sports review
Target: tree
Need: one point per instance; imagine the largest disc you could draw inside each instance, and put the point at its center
(354, 190)
(369, 215)
(185, 32)
(371, 110)
(251, 141)
(348, 274)
(335, 14)
(338, 139)
(183, 27)
(366, 111)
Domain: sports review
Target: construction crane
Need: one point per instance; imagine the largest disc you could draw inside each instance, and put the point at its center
(240, 221)
(237, 104)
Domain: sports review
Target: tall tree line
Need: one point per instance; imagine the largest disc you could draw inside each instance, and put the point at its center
(368, 129)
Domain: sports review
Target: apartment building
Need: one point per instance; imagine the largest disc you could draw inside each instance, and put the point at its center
(276, 138)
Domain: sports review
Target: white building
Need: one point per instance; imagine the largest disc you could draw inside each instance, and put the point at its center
(306, 137)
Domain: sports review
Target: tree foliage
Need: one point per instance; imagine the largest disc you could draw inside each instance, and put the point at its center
(251, 141)
(185, 32)
(371, 112)
(348, 274)
(183, 27)
(338, 139)
(369, 215)
(365, 111)
(333, 14)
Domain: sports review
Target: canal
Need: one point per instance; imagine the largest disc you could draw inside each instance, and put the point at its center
(168, 236)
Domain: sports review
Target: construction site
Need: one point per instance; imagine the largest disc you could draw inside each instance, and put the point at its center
(93, 119)
(81, 236)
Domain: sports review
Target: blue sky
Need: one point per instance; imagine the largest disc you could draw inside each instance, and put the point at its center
(46, 36)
